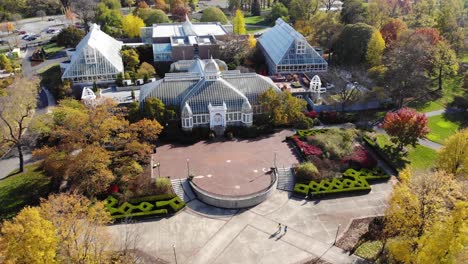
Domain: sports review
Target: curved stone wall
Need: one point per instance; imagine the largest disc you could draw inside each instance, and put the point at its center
(235, 202)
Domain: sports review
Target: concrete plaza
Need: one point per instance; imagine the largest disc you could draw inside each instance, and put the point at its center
(204, 234)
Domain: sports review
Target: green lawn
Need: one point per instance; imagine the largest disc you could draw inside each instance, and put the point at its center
(464, 57)
(255, 20)
(52, 48)
(443, 126)
(19, 190)
(369, 250)
(451, 89)
(421, 157)
(252, 30)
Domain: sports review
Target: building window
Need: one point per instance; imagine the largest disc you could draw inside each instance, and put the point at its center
(90, 55)
(300, 47)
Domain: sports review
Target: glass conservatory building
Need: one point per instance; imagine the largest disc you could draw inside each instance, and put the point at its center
(207, 95)
(96, 59)
(287, 51)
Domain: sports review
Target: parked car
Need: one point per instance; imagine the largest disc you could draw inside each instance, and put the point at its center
(25, 36)
(22, 32)
(51, 19)
(3, 42)
(31, 38)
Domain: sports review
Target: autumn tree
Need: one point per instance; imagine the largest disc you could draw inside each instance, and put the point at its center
(109, 18)
(213, 14)
(152, 16)
(453, 156)
(130, 3)
(348, 93)
(5, 63)
(251, 41)
(29, 238)
(16, 110)
(420, 205)
(161, 4)
(375, 49)
(80, 226)
(130, 58)
(302, 9)
(179, 9)
(239, 23)
(405, 126)
(282, 108)
(326, 28)
(131, 25)
(392, 30)
(423, 14)
(449, 22)
(146, 71)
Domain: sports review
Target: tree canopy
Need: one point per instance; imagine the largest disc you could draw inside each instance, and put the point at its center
(69, 37)
(239, 23)
(453, 156)
(214, 14)
(131, 26)
(406, 126)
(351, 45)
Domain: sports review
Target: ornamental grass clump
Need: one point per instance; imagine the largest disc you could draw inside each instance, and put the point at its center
(306, 171)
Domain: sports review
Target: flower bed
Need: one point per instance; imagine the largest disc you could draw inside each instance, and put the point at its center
(361, 158)
(305, 148)
(310, 132)
(144, 207)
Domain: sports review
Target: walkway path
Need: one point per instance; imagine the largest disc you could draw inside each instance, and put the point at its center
(204, 234)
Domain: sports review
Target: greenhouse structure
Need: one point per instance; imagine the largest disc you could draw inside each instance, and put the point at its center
(287, 51)
(96, 59)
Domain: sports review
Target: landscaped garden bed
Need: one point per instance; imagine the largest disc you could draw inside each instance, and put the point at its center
(156, 205)
(333, 162)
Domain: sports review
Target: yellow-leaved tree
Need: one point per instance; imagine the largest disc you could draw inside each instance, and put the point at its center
(453, 157)
(238, 23)
(251, 41)
(80, 226)
(131, 25)
(375, 49)
(29, 238)
(420, 208)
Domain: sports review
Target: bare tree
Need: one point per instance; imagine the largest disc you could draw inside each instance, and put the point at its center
(41, 14)
(328, 4)
(348, 93)
(128, 242)
(86, 10)
(16, 110)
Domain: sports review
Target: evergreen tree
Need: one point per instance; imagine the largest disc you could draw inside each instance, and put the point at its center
(255, 9)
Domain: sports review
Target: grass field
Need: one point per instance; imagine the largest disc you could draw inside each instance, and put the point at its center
(451, 89)
(420, 157)
(464, 57)
(369, 250)
(443, 126)
(52, 48)
(252, 30)
(255, 20)
(19, 190)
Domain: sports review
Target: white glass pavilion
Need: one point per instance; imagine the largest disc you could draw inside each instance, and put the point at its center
(287, 51)
(96, 59)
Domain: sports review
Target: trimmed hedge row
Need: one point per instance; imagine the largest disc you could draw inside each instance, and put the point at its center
(368, 174)
(392, 160)
(331, 186)
(143, 208)
(310, 132)
(152, 198)
(353, 180)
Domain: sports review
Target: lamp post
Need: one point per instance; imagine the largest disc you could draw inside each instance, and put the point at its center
(175, 255)
(336, 236)
(275, 159)
(188, 167)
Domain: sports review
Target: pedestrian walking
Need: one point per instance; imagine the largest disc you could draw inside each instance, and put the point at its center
(285, 229)
(279, 227)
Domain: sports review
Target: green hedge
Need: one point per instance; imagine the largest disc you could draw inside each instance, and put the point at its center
(368, 174)
(143, 208)
(310, 132)
(331, 186)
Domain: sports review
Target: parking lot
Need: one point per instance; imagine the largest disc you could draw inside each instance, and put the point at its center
(33, 26)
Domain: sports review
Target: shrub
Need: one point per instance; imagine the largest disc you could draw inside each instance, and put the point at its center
(332, 186)
(368, 174)
(152, 198)
(162, 185)
(306, 171)
(361, 158)
(311, 114)
(327, 168)
(334, 145)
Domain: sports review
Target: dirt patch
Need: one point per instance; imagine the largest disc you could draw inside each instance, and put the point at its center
(360, 230)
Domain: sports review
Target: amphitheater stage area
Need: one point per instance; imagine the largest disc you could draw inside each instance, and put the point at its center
(227, 168)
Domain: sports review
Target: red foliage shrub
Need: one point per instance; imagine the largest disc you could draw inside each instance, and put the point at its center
(114, 188)
(311, 114)
(306, 148)
(361, 158)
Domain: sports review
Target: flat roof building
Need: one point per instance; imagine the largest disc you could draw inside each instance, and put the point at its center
(287, 51)
(183, 41)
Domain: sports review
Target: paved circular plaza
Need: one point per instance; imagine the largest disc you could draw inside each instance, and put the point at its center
(227, 168)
